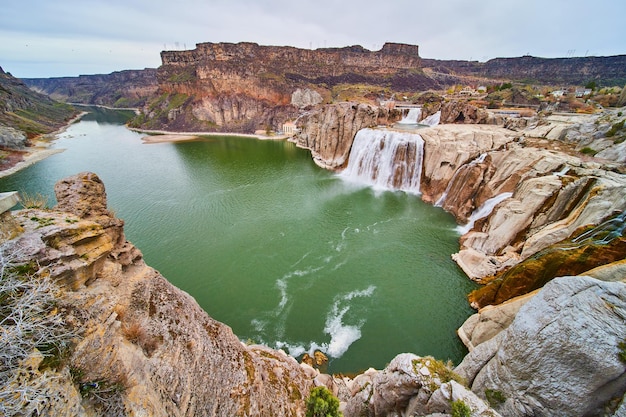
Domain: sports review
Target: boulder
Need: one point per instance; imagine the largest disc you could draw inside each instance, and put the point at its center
(12, 138)
(561, 356)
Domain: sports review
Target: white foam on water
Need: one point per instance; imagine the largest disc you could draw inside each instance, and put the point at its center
(342, 335)
(483, 211)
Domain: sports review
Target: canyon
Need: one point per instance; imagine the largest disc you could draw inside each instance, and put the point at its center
(542, 220)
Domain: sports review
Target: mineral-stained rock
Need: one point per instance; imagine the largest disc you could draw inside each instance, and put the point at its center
(560, 356)
(329, 132)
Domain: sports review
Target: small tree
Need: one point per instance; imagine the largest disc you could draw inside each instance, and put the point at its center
(322, 403)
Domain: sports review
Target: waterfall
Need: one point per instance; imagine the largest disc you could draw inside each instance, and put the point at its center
(475, 161)
(483, 211)
(432, 120)
(412, 117)
(386, 159)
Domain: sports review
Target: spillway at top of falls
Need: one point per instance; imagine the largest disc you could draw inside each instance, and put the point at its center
(386, 159)
(412, 117)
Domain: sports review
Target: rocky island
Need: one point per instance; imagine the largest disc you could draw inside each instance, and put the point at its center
(543, 230)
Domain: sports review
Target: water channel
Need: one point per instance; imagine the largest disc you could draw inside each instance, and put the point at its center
(284, 252)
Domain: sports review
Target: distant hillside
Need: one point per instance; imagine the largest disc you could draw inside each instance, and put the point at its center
(28, 111)
(128, 88)
(605, 71)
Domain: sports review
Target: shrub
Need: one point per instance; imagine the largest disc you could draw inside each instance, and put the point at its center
(322, 403)
(615, 128)
(33, 201)
(494, 397)
(588, 151)
(31, 327)
(460, 409)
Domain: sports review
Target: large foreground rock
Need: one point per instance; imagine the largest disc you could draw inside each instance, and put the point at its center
(561, 354)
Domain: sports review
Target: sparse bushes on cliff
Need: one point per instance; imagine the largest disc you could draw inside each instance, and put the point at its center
(322, 403)
(34, 336)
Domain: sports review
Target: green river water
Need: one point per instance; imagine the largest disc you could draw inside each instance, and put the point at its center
(284, 252)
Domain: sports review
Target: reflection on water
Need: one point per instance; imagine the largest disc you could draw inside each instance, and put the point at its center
(282, 251)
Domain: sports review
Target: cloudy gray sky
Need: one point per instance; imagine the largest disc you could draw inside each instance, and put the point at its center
(46, 38)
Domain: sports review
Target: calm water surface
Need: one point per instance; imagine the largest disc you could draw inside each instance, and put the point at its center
(285, 253)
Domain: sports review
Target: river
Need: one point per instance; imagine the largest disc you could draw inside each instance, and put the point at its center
(284, 252)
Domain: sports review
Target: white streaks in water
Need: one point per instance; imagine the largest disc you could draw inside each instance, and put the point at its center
(342, 335)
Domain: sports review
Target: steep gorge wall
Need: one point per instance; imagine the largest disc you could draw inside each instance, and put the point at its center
(243, 87)
(129, 88)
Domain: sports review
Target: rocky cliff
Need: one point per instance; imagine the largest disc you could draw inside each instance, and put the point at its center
(137, 345)
(129, 88)
(28, 112)
(605, 71)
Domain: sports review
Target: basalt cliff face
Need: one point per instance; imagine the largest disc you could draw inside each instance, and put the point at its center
(606, 71)
(129, 88)
(243, 87)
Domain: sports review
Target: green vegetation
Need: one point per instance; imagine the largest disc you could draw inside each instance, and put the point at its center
(615, 128)
(322, 403)
(28, 111)
(440, 369)
(494, 397)
(460, 409)
(591, 85)
(185, 75)
(588, 151)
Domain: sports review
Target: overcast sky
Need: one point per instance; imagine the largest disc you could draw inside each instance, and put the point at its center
(49, 38)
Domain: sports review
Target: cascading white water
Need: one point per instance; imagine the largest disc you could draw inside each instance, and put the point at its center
(386, 159)
(475, 161)
(412, 117)
(483, 211)
(432, 120)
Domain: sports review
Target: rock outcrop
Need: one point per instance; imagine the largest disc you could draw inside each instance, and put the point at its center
(142, 346)
(410, 385)
(562, 355)
(328, 132)
(606, 70)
